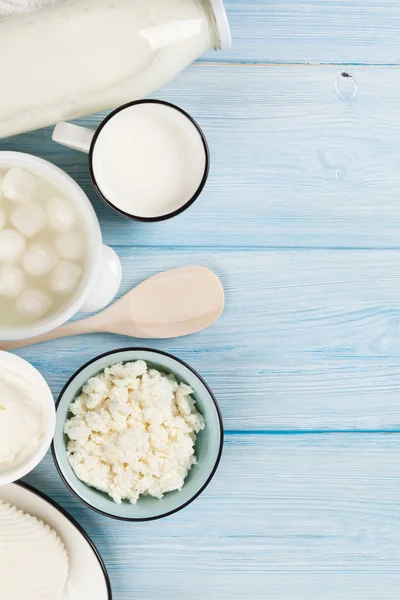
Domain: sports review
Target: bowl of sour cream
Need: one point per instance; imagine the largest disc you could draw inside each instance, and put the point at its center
(27, 417)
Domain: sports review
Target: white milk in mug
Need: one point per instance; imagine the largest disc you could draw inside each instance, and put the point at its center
(84, 56)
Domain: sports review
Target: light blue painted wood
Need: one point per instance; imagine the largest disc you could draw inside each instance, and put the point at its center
(287, 517)
(316, 31)
(308, 340)
(294, 162)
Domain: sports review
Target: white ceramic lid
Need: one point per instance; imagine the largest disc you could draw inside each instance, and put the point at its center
(223, 27)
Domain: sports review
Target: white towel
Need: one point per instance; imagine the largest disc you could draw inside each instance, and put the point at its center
(11, 7)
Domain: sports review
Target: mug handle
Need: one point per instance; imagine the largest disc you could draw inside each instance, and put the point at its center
(107, 283)
(109, 278)
(73, 136)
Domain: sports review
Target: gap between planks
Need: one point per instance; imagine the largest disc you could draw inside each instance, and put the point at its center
(260, 63)
(289, 432)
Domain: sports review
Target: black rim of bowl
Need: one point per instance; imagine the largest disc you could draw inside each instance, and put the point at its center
(221, 445)
(55, 505)
(187, 204)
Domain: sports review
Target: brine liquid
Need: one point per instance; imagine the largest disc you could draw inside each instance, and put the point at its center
(55, 267)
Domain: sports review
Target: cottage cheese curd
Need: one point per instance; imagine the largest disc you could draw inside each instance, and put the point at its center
(133, 432)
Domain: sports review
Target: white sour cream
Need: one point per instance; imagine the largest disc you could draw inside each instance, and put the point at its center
(22, 418)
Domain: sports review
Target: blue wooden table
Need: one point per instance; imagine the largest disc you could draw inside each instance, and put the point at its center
(301, 220)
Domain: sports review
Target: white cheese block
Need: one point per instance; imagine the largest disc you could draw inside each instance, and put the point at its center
(33, 559)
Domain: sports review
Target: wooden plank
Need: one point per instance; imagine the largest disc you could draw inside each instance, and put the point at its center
(308, 341)
(291, 31)
(316, 31)
(294, 162)
(287, 516)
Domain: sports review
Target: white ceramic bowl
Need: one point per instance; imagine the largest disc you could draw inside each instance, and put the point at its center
(102, 272)
(43, 390)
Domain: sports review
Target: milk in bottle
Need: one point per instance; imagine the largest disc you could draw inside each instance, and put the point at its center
(84, 56)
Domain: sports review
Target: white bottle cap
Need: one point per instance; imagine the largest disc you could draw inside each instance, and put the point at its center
(223, 27)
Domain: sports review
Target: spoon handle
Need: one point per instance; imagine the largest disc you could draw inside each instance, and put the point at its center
(89, 325)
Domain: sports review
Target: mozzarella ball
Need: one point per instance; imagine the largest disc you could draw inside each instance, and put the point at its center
(61, 213)
(12, 281)
(33, 304)
(65, 278)
(12, 245)
(39, 259)
(29, 219)
(19, 185)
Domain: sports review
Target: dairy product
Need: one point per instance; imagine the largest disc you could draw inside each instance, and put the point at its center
(65, 277)
(12, 281)
(33, 304)
(39, 259)
(85, 56)
(29, 219)
(149, 160)
(33, 559)
(3, 216)
(22, 419)
(12, 245)
(61, 214)
(19, 185)
(42, 228)
(133, 432)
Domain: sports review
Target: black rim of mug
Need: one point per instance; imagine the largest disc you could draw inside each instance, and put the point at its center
(184, 206)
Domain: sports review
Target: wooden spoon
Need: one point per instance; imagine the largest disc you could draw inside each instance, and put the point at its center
(171, 304)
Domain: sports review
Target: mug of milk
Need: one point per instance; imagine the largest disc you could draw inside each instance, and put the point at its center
(149, 160)
(80, 57)
(52, 259)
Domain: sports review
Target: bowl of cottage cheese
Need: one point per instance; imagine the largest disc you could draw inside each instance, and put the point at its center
(139, 434)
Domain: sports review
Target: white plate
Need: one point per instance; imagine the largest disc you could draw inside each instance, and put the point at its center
(87, 577)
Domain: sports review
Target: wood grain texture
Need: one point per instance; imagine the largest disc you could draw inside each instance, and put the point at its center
(308, 340)
(288, 516)
(296, 160)
(316, 31)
